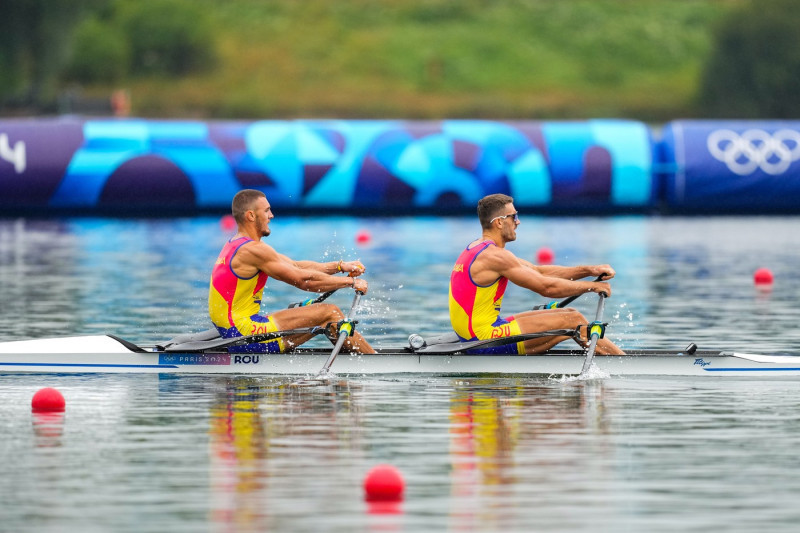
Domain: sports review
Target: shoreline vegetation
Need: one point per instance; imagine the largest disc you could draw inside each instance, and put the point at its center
(420, 60)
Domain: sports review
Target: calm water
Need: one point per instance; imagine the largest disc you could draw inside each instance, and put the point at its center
(158, 453)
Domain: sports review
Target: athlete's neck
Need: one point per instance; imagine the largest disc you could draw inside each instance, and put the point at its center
(249, 232)
(496, 239)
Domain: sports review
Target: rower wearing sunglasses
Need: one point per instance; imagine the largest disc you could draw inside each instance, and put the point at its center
(482, 272)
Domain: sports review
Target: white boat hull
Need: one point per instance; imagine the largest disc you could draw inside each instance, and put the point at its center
(104, 354)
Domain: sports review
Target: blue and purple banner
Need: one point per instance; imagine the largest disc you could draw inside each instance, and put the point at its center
(149, 165)
(732, 166)
(138, 166)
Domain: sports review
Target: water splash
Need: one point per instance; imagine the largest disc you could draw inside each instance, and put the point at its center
(593, 373)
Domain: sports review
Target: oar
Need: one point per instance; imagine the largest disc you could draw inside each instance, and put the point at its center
(345, 330)
(321, 298)
(566, 301)
(202, 346)
(595, 331)
(209, 339)
(463, 346)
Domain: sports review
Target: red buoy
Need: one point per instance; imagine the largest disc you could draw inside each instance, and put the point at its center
(363, 237)
(763, 277)
(47, 400)
(384, 483)
(545, 256)
(227, 223)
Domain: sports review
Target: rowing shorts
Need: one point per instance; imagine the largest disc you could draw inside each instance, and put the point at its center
(253, 326)
(502, 327)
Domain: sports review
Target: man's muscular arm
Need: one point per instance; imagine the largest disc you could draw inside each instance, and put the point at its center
(353, 268)
(576, 272)
(501, 262)
(260, 256)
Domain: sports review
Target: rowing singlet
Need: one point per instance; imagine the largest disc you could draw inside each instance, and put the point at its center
(475, 309)
(234, 302)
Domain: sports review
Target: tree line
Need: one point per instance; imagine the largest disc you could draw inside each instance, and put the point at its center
(48, 44)
(752, 71)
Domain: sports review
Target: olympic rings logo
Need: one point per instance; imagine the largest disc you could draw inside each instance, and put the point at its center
(754, 149)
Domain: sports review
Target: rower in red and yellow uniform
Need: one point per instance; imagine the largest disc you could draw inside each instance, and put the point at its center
(475, 309)
(241, 272)
(482, 272)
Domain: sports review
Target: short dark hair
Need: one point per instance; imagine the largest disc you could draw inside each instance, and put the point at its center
(243, 201)
(490, 207)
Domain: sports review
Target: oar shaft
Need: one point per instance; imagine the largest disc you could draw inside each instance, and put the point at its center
(320, 298)
(336, 349)
(215, 344)
(566, 301)
(587, 363)
(594, 337)
(464, 346)
(343, 334)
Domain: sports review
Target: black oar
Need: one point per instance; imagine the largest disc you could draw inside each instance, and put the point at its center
(206, 345)
(595, 332)
(566, 301)
(345, 330)
(210, 339)
(463, 346)
(321, 298)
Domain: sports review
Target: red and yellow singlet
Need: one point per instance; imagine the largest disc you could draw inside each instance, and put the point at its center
(475, 309)
(234, 302)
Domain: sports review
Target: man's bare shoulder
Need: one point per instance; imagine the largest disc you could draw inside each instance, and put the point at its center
(254, 252)
(492, 262)
(497, 256)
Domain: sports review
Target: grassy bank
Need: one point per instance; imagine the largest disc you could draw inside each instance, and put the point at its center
(420, 59)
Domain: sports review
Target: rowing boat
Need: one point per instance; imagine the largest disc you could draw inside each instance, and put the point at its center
(111, 354)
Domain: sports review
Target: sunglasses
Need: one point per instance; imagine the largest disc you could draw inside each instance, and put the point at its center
(515, 215)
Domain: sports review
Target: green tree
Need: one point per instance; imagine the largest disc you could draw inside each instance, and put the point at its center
(100, 53)
(34, 45)
(754, 69)
(171, 37)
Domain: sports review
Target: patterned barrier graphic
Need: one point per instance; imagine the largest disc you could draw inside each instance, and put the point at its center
(306, 164)
(147, 166)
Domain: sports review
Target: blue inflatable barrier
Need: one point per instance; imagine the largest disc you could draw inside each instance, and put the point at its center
(148, 166)
(165, 167)
(731, 166)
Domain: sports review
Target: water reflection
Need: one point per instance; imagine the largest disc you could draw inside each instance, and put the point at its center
(492, 454)
(270, 444)
(261, 431)
(237, 451)
(517, 434)
(48, 429)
